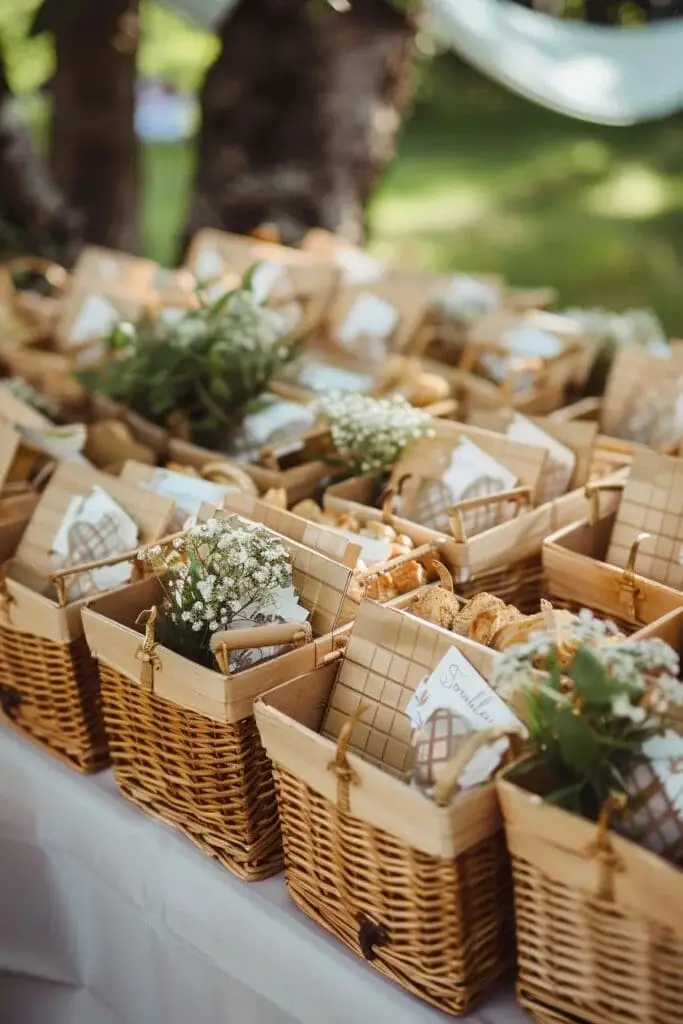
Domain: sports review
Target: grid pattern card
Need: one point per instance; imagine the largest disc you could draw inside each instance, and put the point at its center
(389, 652)
(652, 503)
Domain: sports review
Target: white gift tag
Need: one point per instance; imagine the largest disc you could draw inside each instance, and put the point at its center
(269, 279)
(472, 469)
(368, 326)
(561, 462)
(665, 753)
(61, 443)
(457, 685)
(320, 376)
(208, 264)
(372, 551)
(96, 316)
(188, 492)
(96, 510)
(108, 269)
(171, 315)
(530, 341)
(279, 420)
(470, 298)
(359, 267)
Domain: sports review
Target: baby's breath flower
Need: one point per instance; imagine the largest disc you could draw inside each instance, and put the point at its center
(371, 434)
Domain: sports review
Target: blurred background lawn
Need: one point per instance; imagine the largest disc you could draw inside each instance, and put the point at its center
(484, 181)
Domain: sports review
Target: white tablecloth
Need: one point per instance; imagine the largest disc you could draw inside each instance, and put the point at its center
(108, 917)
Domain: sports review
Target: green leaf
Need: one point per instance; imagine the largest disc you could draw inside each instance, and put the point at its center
(590, 679)
(579, 746)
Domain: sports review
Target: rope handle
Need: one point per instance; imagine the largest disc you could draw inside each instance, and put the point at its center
(62, 576)
(594, 490)
(221, 471)
(146, 652)
(269, 635)
(519, 496)
(601, 848)
(346, 775)
(448, 785)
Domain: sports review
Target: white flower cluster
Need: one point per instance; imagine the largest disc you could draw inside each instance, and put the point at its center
(242, 324)
(634, 664)
(220, 569)
(634, 327)
(371, 434)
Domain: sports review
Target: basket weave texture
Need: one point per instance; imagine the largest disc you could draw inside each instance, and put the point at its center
(210, 779)
(449, 936)
(598, 932)
(50, 691)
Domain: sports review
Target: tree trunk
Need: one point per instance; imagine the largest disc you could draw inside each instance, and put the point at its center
(34, 219)
(299, 116)
(93, 146)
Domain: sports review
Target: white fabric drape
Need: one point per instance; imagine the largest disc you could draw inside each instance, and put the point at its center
(599, 74)
(591, 72)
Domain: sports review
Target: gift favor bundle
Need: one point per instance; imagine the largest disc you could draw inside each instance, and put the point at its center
(371, 576)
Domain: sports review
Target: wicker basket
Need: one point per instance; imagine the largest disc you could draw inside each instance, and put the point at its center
(504, 557)
(48, 682)
(183, 739)
(420, 889)
(599, 920)
(594, 560)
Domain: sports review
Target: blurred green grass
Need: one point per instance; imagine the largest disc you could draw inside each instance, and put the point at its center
(484, 181)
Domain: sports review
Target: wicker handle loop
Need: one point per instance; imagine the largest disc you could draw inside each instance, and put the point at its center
(270, 635)
(593, 492)
(519, 496)
(601, 849)
(387, 505)
(449, 783)
(146, 652)
(223, 472)
(628, 591)
(61, 578)
(346, 776)
(371, 934)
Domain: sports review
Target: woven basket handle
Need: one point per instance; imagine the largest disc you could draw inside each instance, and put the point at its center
(61, 578)
(601, 848)
(593, 492)
(519, 496)
(270, 635)
(449, 783)
(222, 472)
(371, 934)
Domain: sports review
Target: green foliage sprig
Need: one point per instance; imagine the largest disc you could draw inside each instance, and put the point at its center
(196, 373)
(590, 700)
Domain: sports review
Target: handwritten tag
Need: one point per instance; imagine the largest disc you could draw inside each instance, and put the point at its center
(457, 685)
(530, 341)
(468, 298)
(208, 264)
(561, 461)
(368, 326)
(269, 279)
(471, 467)
(320, 376)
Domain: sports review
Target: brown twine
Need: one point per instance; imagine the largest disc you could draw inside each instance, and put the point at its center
(146, 652)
